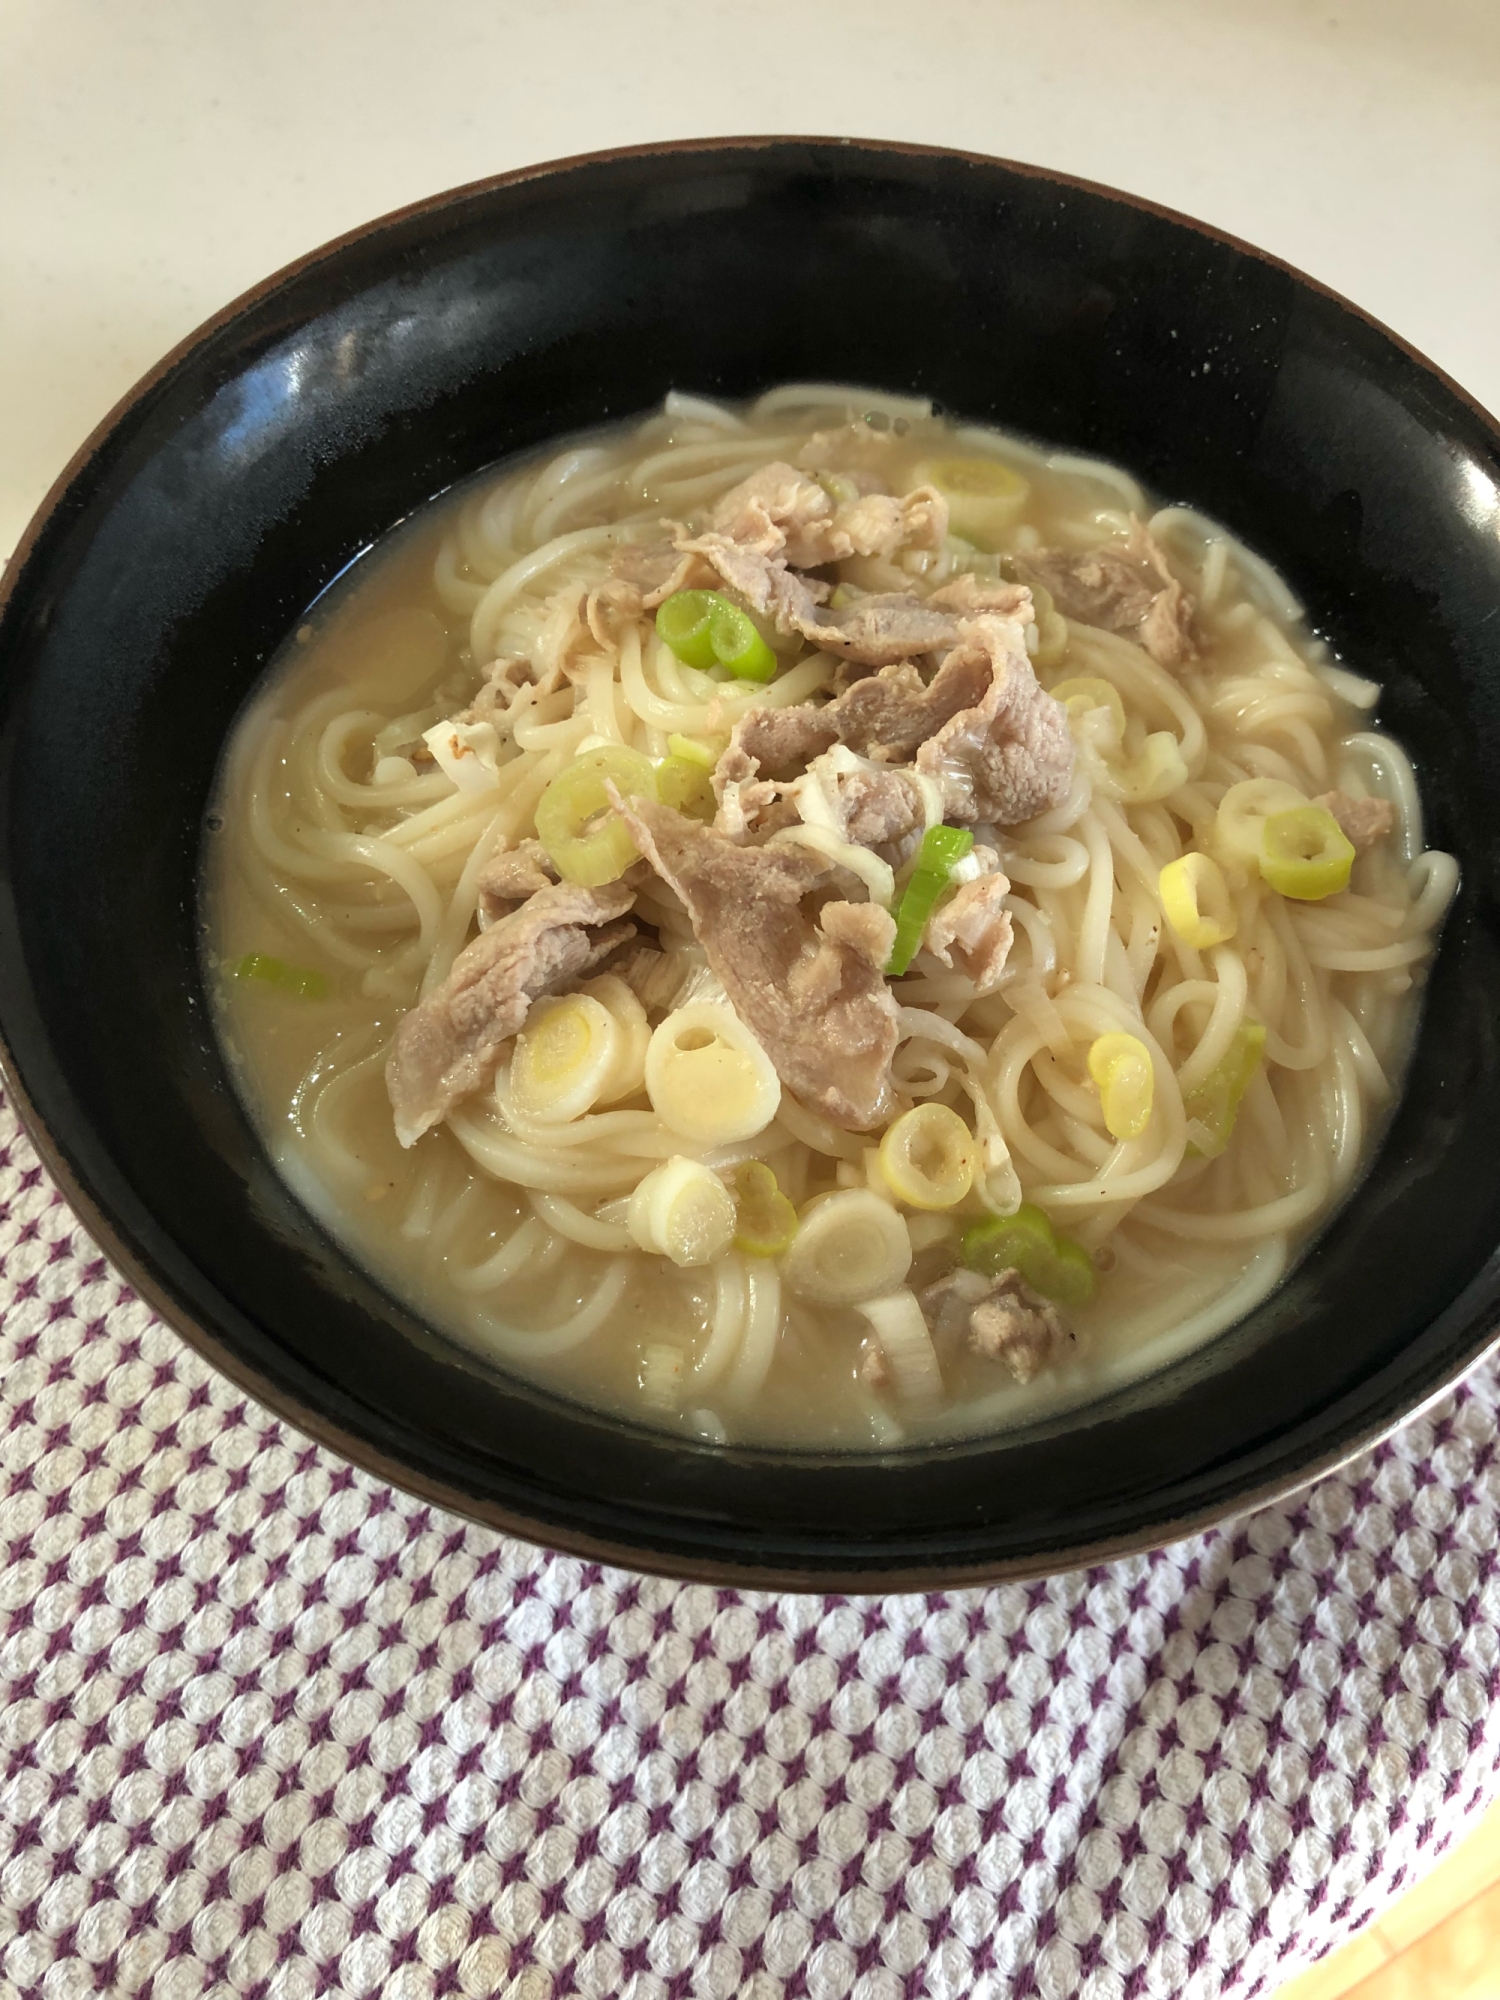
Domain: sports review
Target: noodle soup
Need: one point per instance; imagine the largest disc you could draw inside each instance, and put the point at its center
(814, 923)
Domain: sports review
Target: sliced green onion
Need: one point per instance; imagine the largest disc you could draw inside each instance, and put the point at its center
(1215, 1103)
(684, 784)
(695, 750)
(738, 646)
(984, 497)
(1305, 853)
(298, 979)
(684, 621)
(586, 841)
(766, 1221)
(942, 848)
(1053, 1265)
(704, 629)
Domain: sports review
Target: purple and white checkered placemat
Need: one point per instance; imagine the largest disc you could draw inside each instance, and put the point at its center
(271, 1728)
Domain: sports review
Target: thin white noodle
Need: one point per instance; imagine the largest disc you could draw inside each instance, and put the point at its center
(570, 1221)
(516, 1344)
(727, 1327)
(762, 1325)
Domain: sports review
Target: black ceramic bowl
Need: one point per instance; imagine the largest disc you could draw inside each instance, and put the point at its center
(226, 492)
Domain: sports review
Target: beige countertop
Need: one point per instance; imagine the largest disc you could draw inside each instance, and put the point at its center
(159, 156)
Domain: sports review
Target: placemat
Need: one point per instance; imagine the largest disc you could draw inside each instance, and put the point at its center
(272, 1728)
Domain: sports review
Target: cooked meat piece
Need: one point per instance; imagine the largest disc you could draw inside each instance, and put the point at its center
(856, 448)
(878, 806)
(1166, 631)
(654, 570)
(765, 582)
(641, 576)
(878, 630)
(1005, 1319)
(948, 1301)
(1009, 756)
(449, 1045)
(777, 741)
(518, 872)
(873, 1366)
(1123, 587)
(817, 1002)
(503, 682)
(972, 930)
(864, 802)
(773, 511)
(982, 727)
(1019, 1327)
(780, 512)
(1364, 820)
(754, 807)
(893, 713)
(864, 927)
(966, 595)
(778, 521)
(510, 877)
(886, 717)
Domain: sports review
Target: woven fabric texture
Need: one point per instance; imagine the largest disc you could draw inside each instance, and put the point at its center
(272, 1728)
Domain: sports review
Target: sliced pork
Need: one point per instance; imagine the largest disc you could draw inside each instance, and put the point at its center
(1364, 821)
(982, 729)
(803, 969)
(510, 877)
(1009, 756)
(1123, 587)
(971, 931)
(642, 575)
(779, 522)
(1000, 1318)
(504, 682)
(878, 630)
(967, 595)
(449, 1045)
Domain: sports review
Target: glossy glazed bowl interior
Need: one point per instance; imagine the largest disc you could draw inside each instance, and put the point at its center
(246, 472)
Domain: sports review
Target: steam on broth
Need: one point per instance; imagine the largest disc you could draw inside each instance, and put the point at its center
(809, 922)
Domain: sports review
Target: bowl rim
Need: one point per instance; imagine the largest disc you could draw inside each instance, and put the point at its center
(136, 1267)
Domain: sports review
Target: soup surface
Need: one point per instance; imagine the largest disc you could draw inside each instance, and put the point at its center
(814, 923)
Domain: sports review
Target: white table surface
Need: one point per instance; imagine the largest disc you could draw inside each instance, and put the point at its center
(159, 156)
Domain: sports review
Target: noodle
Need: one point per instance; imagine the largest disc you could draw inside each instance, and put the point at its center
(351, 855)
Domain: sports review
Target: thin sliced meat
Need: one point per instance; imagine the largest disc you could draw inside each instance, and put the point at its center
(1364, 821)
(893, 713)
(1122, 587)
(641, 576)
(1001, 1318)
(873, 804)
(864, 927)
(503, 683)
(779, 522)
(966, 595)
(510, 877)
(1010, 756)
(856, 448)
(779, 742)
(780, 512)
(971, 931)
(888, 626)
(816, 999)
(982, 727)
(879, 630)
(766, 583)
(449, 1045)
(654, 570)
